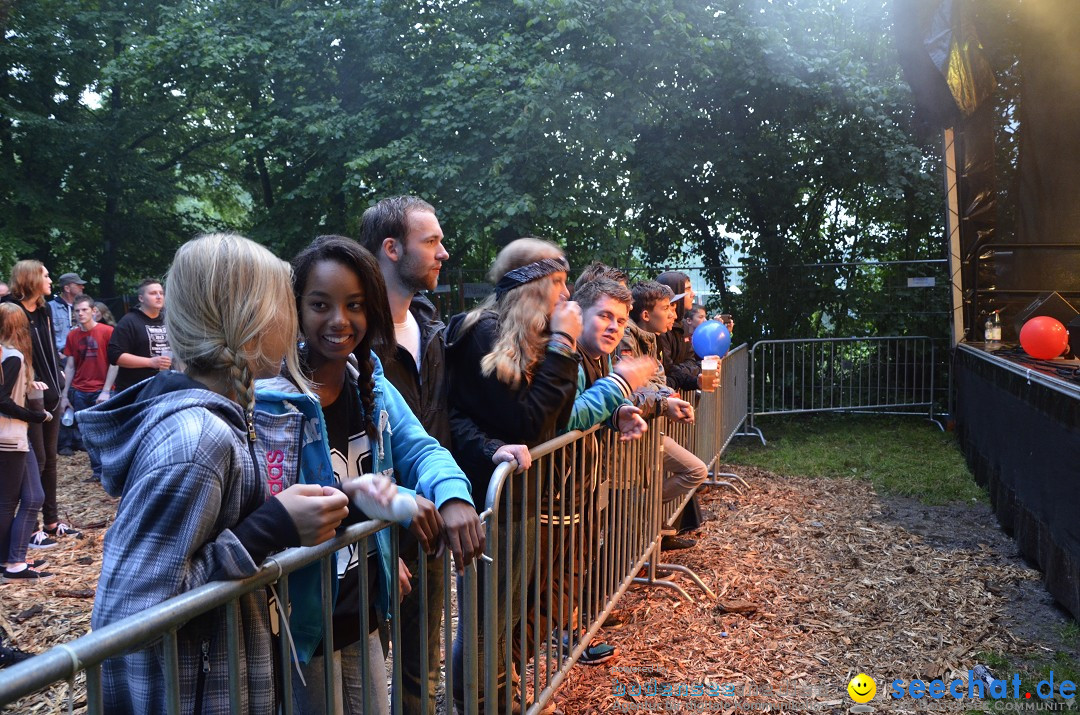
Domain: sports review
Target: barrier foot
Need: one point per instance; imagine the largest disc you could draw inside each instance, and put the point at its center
(731, 475)
(752, 432)
(666, 584)
(722, 483)
(691, 575)
(937, 422)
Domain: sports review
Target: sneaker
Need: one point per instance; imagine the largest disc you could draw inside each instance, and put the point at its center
(66, 452)
(597, 653)
(675, 543)
(11, 656)
(27, 574)
(61, 530)
(594, 653)
(41, 540)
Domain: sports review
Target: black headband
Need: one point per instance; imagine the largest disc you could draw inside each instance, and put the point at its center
(529, 273)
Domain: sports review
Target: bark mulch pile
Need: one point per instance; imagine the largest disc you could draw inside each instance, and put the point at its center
(817, 580)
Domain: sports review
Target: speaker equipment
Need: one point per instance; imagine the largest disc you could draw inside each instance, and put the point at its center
(1073, 326)
(1051, 304)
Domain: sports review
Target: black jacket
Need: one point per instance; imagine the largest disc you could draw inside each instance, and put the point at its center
(486, 413)
(46, 368)
(424, 391)
(681, 365)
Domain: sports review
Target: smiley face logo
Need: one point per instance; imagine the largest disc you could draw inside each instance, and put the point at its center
(862, 688)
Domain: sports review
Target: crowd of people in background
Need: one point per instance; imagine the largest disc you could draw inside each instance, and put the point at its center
(181, 403)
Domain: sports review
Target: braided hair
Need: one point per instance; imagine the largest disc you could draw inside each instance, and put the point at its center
(380, 325)
(212, 329)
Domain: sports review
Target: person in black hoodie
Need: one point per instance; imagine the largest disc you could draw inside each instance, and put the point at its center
(30, 283)
(681, 366)
(139, 346)
(513, 367)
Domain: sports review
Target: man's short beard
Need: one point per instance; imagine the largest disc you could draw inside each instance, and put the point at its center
(411, 282)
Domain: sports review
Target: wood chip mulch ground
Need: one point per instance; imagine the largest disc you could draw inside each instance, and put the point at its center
(817, 580)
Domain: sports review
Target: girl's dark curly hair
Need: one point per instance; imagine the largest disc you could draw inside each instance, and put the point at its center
(380, 325)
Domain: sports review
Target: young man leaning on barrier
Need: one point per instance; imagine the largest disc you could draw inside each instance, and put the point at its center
(602, 397)
(653, 314)
(404, 235)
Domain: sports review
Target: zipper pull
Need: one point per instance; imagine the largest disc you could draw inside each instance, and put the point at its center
(206, 656)
(250, 414)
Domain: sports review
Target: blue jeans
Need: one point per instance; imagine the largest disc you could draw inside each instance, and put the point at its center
(511, 581)
(311, 700)
(20, 500)
(80, 401)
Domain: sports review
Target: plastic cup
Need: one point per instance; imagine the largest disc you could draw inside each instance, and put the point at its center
(709, 365)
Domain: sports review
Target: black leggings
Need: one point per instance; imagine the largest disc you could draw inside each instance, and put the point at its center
(43, 440)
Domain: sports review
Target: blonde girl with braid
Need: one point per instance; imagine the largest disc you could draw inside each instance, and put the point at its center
(199, 502)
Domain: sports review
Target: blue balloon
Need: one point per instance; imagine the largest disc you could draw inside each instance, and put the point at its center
(711, 338)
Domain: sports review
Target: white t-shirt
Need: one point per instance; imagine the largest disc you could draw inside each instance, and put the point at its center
(408, 337)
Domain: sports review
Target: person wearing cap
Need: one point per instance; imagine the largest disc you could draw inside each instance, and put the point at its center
(63, 320)
(681, 366)
(63, 308)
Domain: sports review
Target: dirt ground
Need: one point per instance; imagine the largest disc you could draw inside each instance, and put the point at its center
(817, 581)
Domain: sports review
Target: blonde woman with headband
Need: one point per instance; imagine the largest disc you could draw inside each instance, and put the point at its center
(513, 379)
(198, 502)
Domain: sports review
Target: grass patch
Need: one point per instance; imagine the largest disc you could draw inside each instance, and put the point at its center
(898, 455)
(1064, 666)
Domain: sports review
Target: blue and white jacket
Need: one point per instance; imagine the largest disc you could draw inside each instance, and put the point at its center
(599, 401)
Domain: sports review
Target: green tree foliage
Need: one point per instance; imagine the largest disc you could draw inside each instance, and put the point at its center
(640, 132)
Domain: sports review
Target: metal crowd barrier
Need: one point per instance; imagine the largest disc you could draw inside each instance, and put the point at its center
(564, 542)
(886, 375)
(159, 625)
(568, 538)
(718, 416)
(575, 532)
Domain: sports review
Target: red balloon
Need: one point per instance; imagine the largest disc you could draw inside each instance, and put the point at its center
(1044, 338)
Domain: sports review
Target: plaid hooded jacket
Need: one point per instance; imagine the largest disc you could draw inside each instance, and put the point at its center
(179, 457)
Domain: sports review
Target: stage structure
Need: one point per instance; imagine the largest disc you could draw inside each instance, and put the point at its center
(999, 82)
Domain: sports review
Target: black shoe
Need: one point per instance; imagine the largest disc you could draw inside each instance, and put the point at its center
(65, 452)
(27, 574)
(674, 543)
(61, 530)
(613, 622)
(11, 656)
(40, 540)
